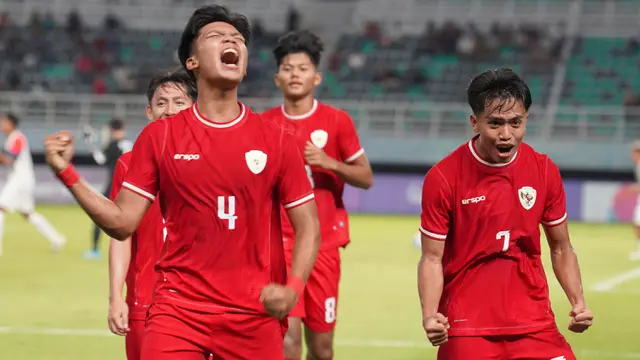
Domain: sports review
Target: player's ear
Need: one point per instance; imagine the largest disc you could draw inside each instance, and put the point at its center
(192, 63)
(474, 122)
(317, 79)
(276, 80)
(148, 111)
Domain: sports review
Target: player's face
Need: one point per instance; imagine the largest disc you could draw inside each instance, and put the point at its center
(297, 76)
(219, 54)
(635, 156)
(168, 100)
(501, 127)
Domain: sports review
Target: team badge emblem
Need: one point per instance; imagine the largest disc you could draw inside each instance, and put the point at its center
(319, 138)
(256, 161)
(527, 196)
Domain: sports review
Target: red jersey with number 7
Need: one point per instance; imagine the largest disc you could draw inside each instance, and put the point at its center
(146, 246)
(221, 187)
(333, 131)
(489, 217)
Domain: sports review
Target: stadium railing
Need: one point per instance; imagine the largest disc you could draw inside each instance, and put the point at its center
(393, 119)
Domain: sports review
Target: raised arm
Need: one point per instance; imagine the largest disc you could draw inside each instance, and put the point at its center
(118, 218)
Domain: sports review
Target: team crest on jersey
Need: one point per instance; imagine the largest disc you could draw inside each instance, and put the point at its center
(319, 138)
(527, 196)
(256, 160)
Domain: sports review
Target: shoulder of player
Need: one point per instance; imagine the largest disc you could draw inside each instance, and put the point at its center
(527, 152)
(337, 114)
(125, 159)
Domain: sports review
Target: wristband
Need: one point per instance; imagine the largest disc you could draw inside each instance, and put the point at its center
(69, 176)
(296, 284)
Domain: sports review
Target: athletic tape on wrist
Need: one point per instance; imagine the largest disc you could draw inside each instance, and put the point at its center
(69, 176)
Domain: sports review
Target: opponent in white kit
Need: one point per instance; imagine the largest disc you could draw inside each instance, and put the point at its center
(18, 191)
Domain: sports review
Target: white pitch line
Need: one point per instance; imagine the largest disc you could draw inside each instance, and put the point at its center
(364, 343)
(611, 283)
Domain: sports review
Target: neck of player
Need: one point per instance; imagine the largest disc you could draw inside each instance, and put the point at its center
(299, 106)
(217, 105)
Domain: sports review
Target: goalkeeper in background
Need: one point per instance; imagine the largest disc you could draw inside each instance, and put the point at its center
(108, 157)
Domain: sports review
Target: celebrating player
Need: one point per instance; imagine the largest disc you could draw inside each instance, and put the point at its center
(334, 156)
(18, 192)
(481, 210)
(133, 260)
(222, 173)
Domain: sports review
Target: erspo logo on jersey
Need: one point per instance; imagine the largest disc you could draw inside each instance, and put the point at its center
(474, 200)
(187, 157)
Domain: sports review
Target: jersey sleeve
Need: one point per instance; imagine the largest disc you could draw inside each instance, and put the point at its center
(16, 147)
(348, 141)
(119, 173)
(436, 205)
(555, 207)
(142, 177)
(294, 185)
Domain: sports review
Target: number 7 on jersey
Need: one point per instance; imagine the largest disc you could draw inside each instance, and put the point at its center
(505, 236)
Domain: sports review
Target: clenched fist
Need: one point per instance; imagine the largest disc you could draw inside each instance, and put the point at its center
(581, 318)
(278, 300)
(59, 149)
(437, 329)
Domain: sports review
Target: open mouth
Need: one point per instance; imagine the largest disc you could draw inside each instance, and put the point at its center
(504, 150)
(230, 58)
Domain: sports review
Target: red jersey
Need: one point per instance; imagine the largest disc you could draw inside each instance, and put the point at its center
(146, 246)
(489, 216)
(221, 187)
(333, 131)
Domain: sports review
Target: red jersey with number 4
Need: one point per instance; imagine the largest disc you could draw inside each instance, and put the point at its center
(221, 188)
(489, 216)
(331, 130)
(146, 246)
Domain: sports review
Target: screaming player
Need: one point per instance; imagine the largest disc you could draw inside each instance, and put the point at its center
(18, 192)
(133, 260)
(481, 210)
(334, 156)
(222, 174)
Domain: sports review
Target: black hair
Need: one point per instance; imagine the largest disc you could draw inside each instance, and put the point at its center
(116, 124)
(201, 18)
(13, 118)
(303, 41)
(177, 76)
(502, 84)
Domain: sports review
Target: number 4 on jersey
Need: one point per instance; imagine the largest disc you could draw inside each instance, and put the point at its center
(227, 213)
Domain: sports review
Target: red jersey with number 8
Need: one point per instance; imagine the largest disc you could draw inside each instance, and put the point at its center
(146, 246)
(489, 216)
(333, 131)
(221, 187)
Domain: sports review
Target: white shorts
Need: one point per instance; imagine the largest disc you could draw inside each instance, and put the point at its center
(17, 197)
(636, 213)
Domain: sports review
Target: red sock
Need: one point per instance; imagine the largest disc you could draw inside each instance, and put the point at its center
(291, 358)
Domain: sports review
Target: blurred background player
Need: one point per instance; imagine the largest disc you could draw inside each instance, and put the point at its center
(133, 260)
(108, 157)
(18, 191)
(223, 287)
(333, 155)
(482, 209)
(635, 156)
